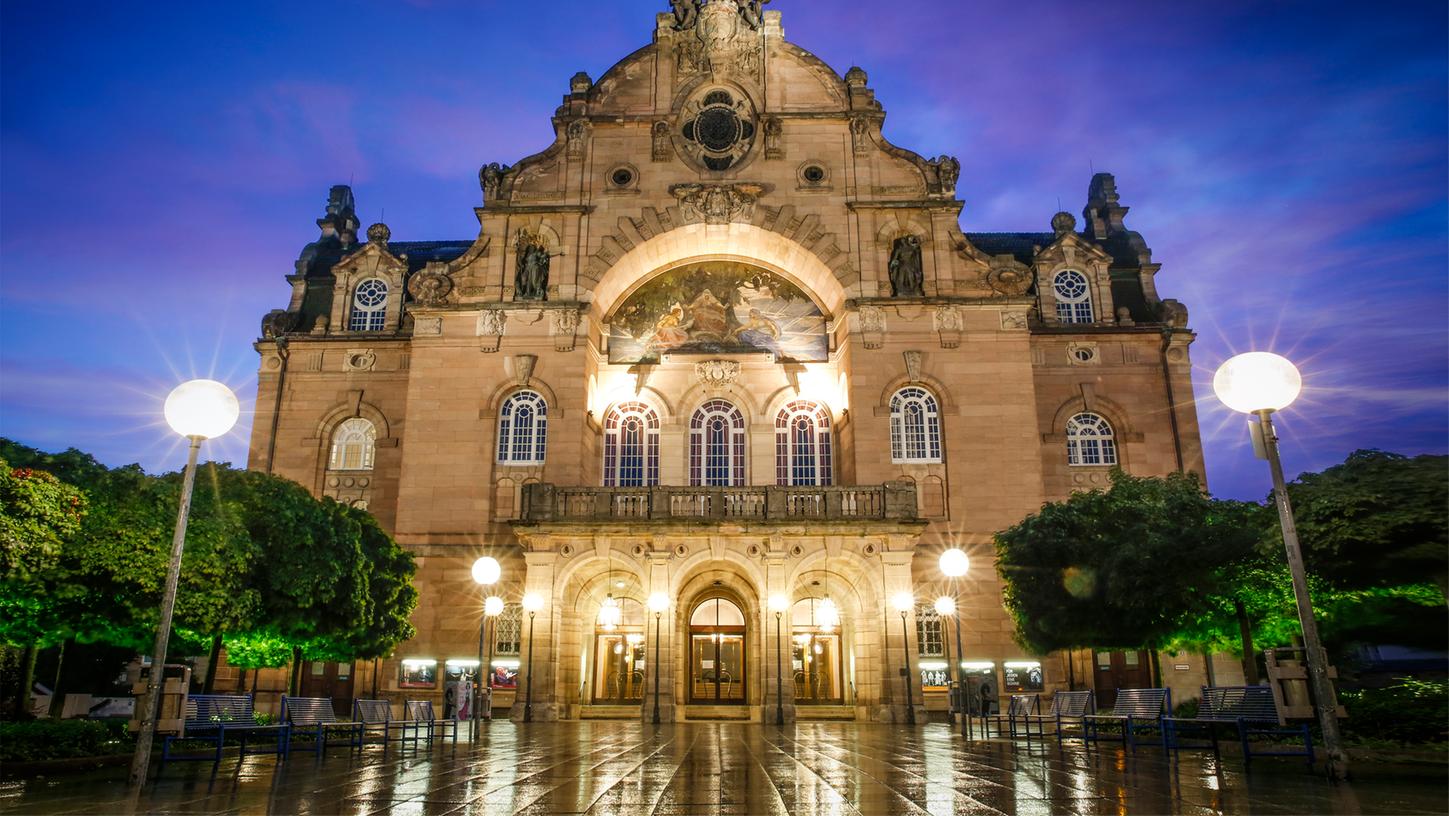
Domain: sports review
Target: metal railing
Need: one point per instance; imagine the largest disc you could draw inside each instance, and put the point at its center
(547, 502)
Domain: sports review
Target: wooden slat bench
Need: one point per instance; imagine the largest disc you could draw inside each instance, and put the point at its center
(1251, 710)
(313, 719)
(375, 714)
(1136, 710)
(211, 718)
(421, 712)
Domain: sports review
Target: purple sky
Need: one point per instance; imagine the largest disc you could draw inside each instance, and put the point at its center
(161, 165)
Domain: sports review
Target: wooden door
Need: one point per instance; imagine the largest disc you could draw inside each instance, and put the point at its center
(1119, 670)
(330, 680)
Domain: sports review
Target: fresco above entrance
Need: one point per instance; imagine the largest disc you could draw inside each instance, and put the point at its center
(718, 307)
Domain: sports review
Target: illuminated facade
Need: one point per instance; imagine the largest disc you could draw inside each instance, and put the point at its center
(722, 343)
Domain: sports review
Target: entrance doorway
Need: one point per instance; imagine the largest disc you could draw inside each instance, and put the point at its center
(815, 658)
(332, 681)
(1119, 670)
(717, 653)
(619, 651)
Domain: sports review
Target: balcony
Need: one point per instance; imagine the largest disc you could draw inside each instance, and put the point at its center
(892, 501)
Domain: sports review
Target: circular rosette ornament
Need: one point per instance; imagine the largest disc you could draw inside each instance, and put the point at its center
(1011, 278)
(431, 286)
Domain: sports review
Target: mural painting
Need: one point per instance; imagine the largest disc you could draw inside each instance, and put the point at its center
(718, 307)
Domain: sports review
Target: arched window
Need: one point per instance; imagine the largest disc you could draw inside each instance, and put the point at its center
(1090, 441)
(1074, 297)
(717, 445)
(353, 445)
(802, 444)
(631, 446)
(523, 429)
(915, 426)
(369, 306)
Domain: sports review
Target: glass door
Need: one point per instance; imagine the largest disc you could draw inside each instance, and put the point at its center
(717, 653)
(619, 668)
(815, 660)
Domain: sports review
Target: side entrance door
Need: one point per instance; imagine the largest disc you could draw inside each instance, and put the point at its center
(333, 680)
(1118, 670)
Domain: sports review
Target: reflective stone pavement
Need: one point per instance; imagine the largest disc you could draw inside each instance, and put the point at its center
(732, 769)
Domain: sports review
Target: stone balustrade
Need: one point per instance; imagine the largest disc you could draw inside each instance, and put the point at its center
(553, 503)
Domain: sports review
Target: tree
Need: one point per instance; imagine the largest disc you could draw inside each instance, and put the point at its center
(1124, 567)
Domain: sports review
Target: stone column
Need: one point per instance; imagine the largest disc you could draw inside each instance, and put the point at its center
(776, 672)
(660, 637)
(899, 650)
(539, 579)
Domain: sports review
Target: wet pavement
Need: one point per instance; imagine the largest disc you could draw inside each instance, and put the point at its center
(734, 770)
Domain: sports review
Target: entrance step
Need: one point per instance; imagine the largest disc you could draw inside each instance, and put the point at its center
(708, 712)
(824, 712)
(609, 712)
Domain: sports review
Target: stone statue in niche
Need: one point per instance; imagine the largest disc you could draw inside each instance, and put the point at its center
(531, 279)
(686, 12)
(753, 12)
(907, 279)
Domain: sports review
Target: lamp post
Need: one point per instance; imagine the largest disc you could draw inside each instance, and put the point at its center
(198, 410)
(946, 607)
(492, 608)
(532, 603)
(955, 564)
(903, 602)
(1260, 383)
(658, 602)
(778, 605)
(486, 572)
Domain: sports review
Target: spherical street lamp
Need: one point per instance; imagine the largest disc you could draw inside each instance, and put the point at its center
(1260, 383)
(955, 564)
(493, 606)
(197, 410)
(778, 605)
(904, 603)
(945, 606)
(532, 604)
(658, 603)
(487, 571)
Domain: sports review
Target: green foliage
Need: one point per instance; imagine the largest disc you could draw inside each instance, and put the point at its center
(38, 740)
(1411, 711)
(1377, 520)
(1122, 567)
(249, 650)
(37, 513)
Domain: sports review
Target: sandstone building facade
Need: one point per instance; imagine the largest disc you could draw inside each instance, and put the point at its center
(721, 344)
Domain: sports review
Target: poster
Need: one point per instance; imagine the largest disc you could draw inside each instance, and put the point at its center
(718, 307)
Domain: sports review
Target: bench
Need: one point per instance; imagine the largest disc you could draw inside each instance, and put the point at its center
(374, 714)
(1251, 710)
(1020, 707)
(313, 718)
(1136, 710)
(421, 712)
(211, 718)
(1066, 706)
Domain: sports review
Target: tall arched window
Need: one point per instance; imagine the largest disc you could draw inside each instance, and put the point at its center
(631, 446)
(1074, 297)
(353, 445)
(802, 444)
(717, 445)
(369, 306)
(523, 429)
(1090, 441)
(915, 426)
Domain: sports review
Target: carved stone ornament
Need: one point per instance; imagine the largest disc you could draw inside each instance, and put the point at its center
(1008, 277)
(860, 135)
(428, 327)
(717, 203)
(491, 325)
(565, 323)
(717, 373)
(1013, 321)
(359, 360)
(432, 285)
(531, 277)
(1124, 317)
(717, 127)
(948, 325)
(279, 322)
(523, 365)
(1063, 223)
(379, 234)
(490, 178)
(661, 148)
(872, 326)
(1173, 313)
(774, 134)
(913, 365)
(948, 171)
(907, 277)
(577, 134)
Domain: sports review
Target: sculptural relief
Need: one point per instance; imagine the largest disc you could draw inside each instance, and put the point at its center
(531, 278)
(490, 178)
(432, 285)
(717, 203)
(948, 172)
(907, 277)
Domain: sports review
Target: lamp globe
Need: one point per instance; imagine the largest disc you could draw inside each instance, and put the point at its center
(202, 409)
(955, 563)
(487, 571)
(945, 606)
(1257, 381)
(532, 602)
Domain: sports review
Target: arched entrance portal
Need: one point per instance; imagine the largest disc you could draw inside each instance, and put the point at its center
(717, 652)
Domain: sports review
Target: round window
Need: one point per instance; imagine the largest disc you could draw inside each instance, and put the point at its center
(622, 177)
(718, 130)
(813, 174)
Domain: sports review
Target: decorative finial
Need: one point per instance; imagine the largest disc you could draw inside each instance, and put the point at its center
(379, 234)
(1063, 223)
(581, 83)
(856, 77)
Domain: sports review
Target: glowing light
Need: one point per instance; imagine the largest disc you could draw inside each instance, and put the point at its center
(634, 639)
(202, 408)
(609, 614)
(827, 614)
(779, 603)
(463, 663)
(945, 606)
(618, 648)
(977, 665)
(955, 563)
(487, 571)
(493, 606)
(1022, 664)
(532, 602)
(903, 602)
(420, 661)
(658, 603)
(1257, 381)
(937, 665)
